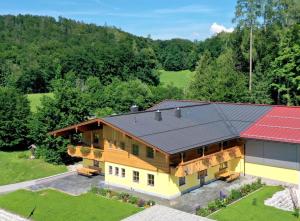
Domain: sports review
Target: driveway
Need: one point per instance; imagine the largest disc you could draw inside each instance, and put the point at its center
(73, 184)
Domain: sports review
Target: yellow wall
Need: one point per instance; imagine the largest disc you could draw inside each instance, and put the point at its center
(166, 185)
(274, 173)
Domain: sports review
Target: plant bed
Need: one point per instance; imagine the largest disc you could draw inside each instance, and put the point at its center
(97, 153)
(72, 149)
(85, 150)
(224, 200)
(122, 196)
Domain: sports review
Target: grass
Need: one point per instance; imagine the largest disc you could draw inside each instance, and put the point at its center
(15, 169)
(35, 100)
(51, 205)
(246, 210)
(179, 79)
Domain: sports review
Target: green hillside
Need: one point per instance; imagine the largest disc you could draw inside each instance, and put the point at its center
(177, 78)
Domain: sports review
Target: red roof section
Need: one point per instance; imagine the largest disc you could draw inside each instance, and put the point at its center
(279, 124)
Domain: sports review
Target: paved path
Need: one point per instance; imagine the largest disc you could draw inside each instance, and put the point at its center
(26, 184)
(163, 213)
(6, 216)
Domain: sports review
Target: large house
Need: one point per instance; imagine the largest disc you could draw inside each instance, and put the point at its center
(177, 146)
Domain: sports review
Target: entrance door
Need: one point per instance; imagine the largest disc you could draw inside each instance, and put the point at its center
(202, 180)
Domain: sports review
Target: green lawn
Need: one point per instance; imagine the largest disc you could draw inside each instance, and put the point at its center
(14, 169)
(35, 100)
(51, 205)
(177, 78)
(244, 210)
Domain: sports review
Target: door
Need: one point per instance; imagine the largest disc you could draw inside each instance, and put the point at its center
(202, 180)
(201, 176)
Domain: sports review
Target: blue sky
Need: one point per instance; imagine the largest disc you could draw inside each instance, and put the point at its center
(162, 19)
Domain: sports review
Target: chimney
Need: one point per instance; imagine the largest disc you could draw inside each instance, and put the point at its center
(178, 112)
(134, 109)
(158, 115)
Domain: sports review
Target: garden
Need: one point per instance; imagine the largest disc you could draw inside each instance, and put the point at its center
(247, 204)
(51, 205)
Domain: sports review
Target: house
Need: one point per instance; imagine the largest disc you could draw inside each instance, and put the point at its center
(177, 146)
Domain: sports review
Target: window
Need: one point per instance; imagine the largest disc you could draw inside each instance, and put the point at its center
(123, 172)
(136, 176)
(115, 143)
(223, 165)
(135, 149)
(122, 145)
(96, 138)
(117, 171)
(110, 170)
(150, 152)
(205, 149)
(181, 181)
(96, 163)
(201, 174)
(150, 179)
(200, 151)
(220, 144)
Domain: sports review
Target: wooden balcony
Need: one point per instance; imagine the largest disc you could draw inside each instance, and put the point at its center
(202, 163)
(86, 152)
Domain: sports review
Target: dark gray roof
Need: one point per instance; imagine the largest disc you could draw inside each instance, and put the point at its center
(200, 124)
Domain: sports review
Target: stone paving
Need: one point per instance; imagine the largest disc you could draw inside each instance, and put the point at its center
(73, 184)
(7, 216)
(281, 200)
(163, 213)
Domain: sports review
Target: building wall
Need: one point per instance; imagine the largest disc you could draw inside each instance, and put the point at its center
(273, 160)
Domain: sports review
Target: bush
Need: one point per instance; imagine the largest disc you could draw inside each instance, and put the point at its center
(203, 212)
(124, 197)
(151, 203)
(141, 203)
(85, 150)
(133, 200)
(296, 212)
(95, 190)
(23, 155)
(97, 153)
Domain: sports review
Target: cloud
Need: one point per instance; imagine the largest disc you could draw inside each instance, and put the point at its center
(216, 28)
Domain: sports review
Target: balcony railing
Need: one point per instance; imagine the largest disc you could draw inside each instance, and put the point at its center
(202, 163)
(86, 152)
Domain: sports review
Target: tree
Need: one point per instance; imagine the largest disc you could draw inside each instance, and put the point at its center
(247, 13)
(67, 107)
(14, 116)
(217, 80)
(285, 72)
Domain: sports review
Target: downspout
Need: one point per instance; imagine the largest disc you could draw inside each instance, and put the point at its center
(245, 158)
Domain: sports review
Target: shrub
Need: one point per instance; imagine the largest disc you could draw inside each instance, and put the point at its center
(95, 190)
(124, 197)
(141, 203)
(234, 195)
(212, 206)
(85, 150)
(97, 153)
(203, 212)
(103, 192)
(71, 149)
(133, 200)
(23, 155)
(151, 203)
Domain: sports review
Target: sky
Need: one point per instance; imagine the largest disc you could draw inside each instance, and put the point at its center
(161, 19)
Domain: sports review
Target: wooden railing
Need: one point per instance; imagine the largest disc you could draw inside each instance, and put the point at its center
(202, 163)
(86, 152)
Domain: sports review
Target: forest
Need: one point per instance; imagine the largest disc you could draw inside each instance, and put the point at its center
(101, 70)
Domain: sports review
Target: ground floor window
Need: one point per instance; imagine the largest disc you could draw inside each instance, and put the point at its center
(123, 172)
(117, 171)
(110, 170)
(150, 179)
(136, 176)
(202, 173)
(224, 166)
(96, 163)
(181, 181)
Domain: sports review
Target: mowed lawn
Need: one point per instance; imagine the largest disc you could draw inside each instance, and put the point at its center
(15, 169)
(179, 79)
(35, 100)
(246, 210)
(51, 205)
